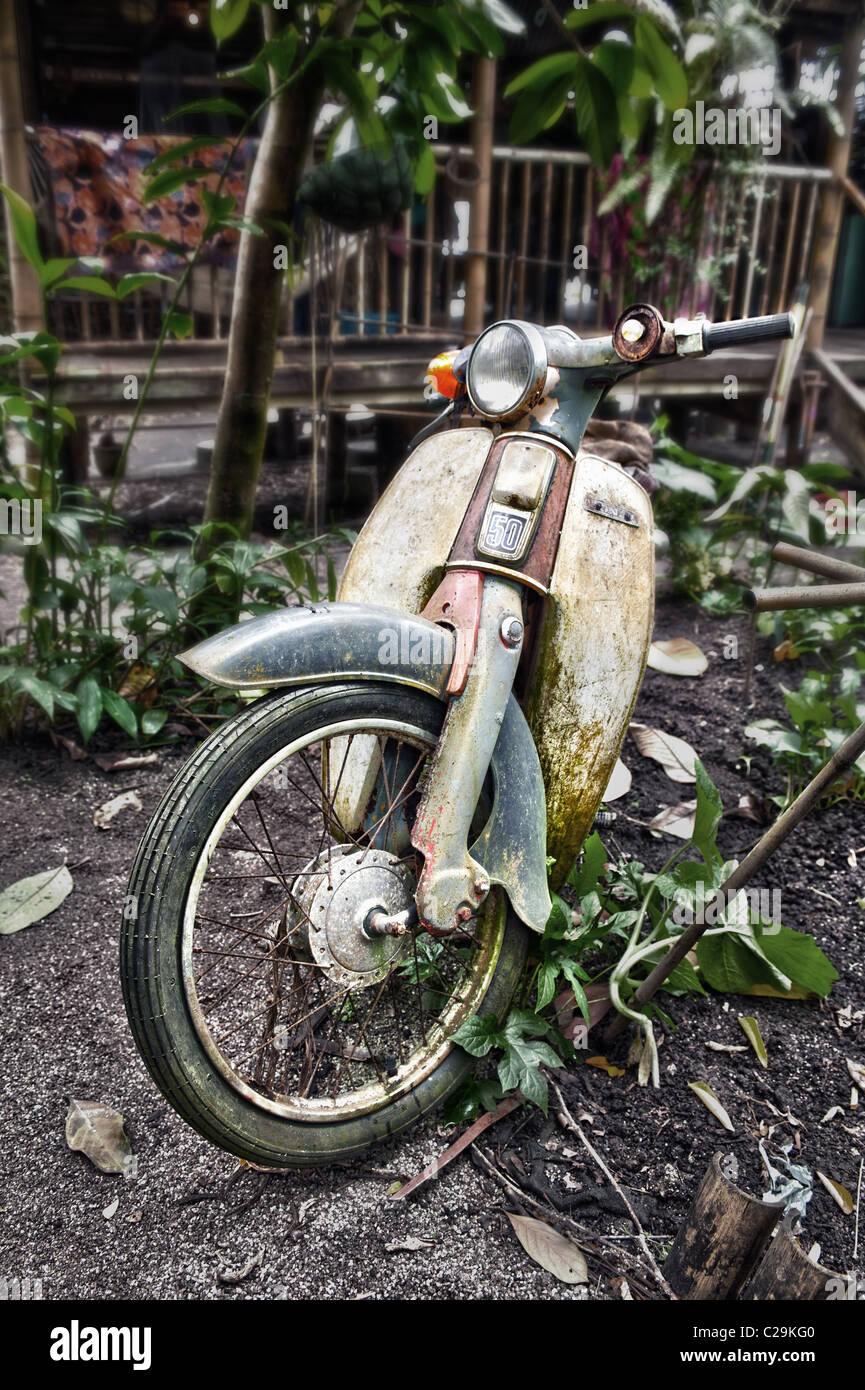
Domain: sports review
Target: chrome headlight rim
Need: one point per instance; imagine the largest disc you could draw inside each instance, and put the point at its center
(535, 377)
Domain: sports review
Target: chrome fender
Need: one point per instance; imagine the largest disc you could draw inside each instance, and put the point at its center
(323, 642)
(355, 641)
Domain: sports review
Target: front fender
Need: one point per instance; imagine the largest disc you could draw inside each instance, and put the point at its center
(323, 641)
(357, 641)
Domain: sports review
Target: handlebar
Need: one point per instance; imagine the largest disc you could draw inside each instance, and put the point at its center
(755, 330)
(642, 337)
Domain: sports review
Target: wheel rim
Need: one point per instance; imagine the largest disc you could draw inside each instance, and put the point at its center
(276, 1025)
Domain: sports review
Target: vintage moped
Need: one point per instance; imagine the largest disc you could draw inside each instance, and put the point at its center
(352, 866)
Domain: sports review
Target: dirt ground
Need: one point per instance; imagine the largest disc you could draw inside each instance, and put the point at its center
(181, 1229)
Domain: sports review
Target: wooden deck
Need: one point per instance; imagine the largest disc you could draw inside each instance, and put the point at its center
(384, 373)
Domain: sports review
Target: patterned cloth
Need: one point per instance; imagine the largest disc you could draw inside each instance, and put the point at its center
(98, 185)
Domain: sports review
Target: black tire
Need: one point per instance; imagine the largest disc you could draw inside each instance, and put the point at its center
(151, 943)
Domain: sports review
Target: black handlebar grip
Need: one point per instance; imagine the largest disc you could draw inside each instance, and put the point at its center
(757, 330)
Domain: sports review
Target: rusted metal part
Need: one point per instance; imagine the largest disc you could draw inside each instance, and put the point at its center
(452, 882)
(638, 332)
(610, 510)
(537, 566)
(397, 924)
(513, 844)
(325, 642)
(335, 896)
(457, 602)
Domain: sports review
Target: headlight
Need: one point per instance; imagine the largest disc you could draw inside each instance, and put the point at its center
(507, 370)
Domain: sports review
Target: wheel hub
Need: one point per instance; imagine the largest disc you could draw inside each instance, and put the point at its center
(335, 896)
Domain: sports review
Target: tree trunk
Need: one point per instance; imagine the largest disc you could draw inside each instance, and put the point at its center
(242, 422)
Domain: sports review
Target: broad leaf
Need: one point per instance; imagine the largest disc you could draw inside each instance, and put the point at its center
(676, 757)
(552, 1251)
(97, 1131)
(31, 899)
(677, 656)
(89, 709)
(597, 113)
(168, 182)
(226, 17)
(710, 809)
(24, 228)
(668, 75)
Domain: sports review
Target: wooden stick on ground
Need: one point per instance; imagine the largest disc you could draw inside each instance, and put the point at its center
(570, 1123)
(844, 758)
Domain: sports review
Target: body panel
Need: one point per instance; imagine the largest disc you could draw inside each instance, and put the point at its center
(400, 555)
(592, 650)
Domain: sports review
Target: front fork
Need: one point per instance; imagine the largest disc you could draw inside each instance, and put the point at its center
(453, 884)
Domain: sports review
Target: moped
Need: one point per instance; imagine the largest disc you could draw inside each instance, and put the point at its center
(352, 866)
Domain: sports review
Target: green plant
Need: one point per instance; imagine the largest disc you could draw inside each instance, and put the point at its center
(622, 921)
(721, 521)
(823, 711)
(101, 627)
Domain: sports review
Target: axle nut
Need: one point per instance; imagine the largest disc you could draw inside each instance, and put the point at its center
(512, 631)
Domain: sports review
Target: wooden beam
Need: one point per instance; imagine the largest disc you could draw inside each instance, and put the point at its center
(828, 229)
(26, 295)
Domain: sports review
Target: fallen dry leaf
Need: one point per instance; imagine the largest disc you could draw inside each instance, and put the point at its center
(109, 810)
(839, 1194)
(830, 1114)
(138, 679)
(97, 1131)
(122, 762)
(785, 651)
(857, 1072)
(75, 751)
(619, 783)
(727, 1047)
(237, 1276)
(32, 899)
(676, 757)
(603, 1065)
(712, 1103)
(410, 1243)
(677, 657)
(748, 807)
(550, 1250)
(676, 820)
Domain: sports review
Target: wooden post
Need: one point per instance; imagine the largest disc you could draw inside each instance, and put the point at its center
(832, 199)
(484, 96)
(720, 1240)
(26, 295)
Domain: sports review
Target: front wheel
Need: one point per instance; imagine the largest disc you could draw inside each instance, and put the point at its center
(267, 1008)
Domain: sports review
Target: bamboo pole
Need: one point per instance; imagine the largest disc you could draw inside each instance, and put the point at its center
(525, 210)
(815, 562)
(720, 1240)
(851, 749)
(804, 596)
(832, 197)
(14, 164)
(484, 96)
(504, 263)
